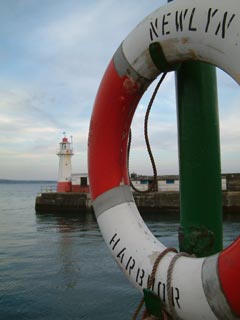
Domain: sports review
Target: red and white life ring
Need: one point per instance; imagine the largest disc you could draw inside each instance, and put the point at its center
(206, 30)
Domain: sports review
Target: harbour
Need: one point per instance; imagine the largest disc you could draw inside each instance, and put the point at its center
(174, 238)
(58, 267)
(72, 190)
(165, 201)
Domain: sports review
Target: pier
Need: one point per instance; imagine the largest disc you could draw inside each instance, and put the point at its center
(63, 202)
(165, 200)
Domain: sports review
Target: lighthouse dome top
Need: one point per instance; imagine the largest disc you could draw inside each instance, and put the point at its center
(65, 147)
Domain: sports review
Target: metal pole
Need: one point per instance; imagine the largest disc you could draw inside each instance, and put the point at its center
(199, 159)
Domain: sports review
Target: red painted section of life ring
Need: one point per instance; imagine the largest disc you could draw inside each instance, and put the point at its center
(114, 107)
(229, 274)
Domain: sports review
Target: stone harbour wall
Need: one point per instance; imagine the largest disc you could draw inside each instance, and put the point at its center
(170, 202)
(161, 202)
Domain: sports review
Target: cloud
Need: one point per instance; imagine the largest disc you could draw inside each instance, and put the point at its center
(229, 114)
(53, 57)
(230, 131)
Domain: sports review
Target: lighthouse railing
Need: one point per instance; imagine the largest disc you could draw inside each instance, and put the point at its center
(48, 189)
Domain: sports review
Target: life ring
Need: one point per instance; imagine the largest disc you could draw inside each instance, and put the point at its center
(207, 30)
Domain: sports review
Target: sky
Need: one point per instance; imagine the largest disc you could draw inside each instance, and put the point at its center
(52, 57)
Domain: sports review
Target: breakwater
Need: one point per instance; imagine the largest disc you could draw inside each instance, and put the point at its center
(170, 202)
(52, 202)
(154, 202)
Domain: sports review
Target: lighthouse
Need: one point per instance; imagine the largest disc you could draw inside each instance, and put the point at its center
(65, 154)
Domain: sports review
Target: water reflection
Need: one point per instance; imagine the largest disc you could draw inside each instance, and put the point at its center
(73, 233)
(84, 222)
(57, 267)
(69, 266)
(78, 251)
(164, 226)
(86, 280)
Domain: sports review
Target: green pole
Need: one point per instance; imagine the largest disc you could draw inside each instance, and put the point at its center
(199, 159)
(200, 230)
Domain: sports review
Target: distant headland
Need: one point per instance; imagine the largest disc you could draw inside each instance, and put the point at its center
(26, 181)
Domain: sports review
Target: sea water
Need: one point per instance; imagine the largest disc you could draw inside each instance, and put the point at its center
(58, 267)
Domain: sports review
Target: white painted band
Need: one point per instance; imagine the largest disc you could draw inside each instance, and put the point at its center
(206, 30)
(135, 249)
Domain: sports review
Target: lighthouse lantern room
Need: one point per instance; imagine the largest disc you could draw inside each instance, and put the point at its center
(65, 153)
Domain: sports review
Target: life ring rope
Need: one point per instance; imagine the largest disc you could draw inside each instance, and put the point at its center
(208, 31)
(152, 279)
(153, 185)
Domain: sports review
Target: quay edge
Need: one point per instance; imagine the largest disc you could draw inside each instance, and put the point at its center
(63, 202)
(154, 202)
